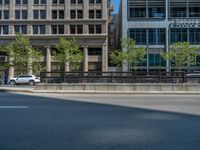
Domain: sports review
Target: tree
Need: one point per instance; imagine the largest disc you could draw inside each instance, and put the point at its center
(182, 54)
(22, 55)
(68, 52)
(132, 55)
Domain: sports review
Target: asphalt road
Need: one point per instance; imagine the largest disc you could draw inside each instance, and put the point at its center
(38, 122)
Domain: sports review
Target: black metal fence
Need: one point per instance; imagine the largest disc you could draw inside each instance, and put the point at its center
(121, 77)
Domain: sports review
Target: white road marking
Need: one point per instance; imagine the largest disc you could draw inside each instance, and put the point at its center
(14, 107)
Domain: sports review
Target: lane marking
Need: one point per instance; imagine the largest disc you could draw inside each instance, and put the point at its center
(14, 107)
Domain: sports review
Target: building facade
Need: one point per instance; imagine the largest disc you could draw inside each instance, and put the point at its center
(45, 21)
(156, 24)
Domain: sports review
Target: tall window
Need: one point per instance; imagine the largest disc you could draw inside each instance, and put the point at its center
(5, 14)
(146, 9)
(157, 36)
(139, 35)
(178, 35)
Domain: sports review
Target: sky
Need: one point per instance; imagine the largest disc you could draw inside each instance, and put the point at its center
(116, 3)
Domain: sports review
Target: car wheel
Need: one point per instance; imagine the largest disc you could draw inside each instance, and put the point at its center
(12, 82)
(31, 82)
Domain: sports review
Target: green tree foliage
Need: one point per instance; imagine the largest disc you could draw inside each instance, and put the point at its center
(21, 55)
(132, 55)
(68, 52)
(182, 54)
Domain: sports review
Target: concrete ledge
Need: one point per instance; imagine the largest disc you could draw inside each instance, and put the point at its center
(139, 88)
(15, 89)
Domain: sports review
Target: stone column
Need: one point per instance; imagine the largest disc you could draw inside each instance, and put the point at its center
(11, 72)
(67, 68)
(30, 67)
(67, 9)
(48, 9)
(12, 10)
(105, 9)
(105, 56)
(30, 9)
(85, 66)
(86, 10)
(48, 58)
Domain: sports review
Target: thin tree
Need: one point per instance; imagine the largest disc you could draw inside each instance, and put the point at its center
(68, 53)
(181, 54)
(22, 56)
(130, 54)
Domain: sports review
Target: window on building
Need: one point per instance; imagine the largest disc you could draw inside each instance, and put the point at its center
(18, 2)
(91, 1)
(98, 14)
(60, 29)
(137, 12)
(20, 29)
(157, 36)
(91, 14)
(139, 35)
(58, 1)
(98, 29)
(194, 36)
(178, 12)
(54, 29)
(6, 14)
(35, 14)
(43, 2)
(73, 14)
(80, 1)
(25, 2)
(76, 1)
(80, 14)
(194, 11)
(7, 2)
(54, 14)
(76, 29)
(72, 29)
(57, 29)
(95, 51)
(156, 60)
(24, 14)
(91, 29)
(42, 14)
(58, 14)
(79, 29)
(36, 1)
(17, 14)
(0, 14)
(39, 29)
(5, 29)
(61, 14)
(178, 35)
(95, 1)
(157, 12)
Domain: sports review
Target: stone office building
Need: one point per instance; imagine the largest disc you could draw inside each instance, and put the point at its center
(156, 24)
(45, 21)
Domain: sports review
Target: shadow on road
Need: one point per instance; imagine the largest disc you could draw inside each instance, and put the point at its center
(52, 124)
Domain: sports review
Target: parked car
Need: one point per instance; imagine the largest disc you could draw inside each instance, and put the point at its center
(24, 79)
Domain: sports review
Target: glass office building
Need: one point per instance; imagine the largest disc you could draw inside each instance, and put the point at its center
(156, 24)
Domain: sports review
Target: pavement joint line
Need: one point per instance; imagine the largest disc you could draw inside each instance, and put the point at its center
(14, 107)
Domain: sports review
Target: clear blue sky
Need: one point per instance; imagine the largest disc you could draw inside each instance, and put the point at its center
(116, 3)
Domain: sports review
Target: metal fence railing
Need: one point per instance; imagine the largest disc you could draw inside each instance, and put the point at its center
(121, 77)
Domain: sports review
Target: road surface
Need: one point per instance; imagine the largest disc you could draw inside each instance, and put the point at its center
(99, 122)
